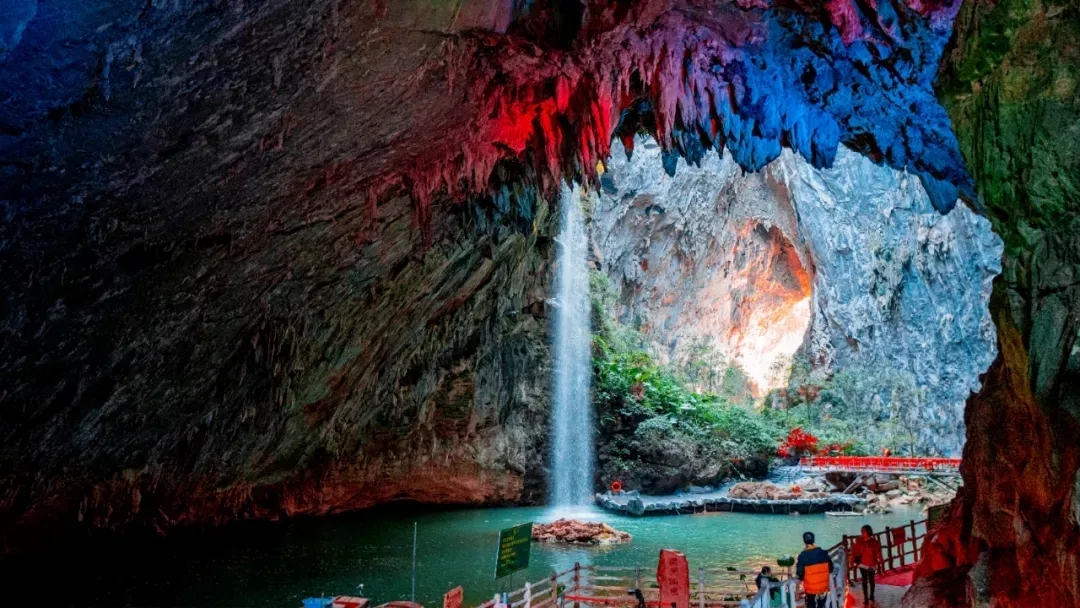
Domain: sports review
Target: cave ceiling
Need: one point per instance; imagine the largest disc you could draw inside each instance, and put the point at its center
(434, 97)
(204, 220)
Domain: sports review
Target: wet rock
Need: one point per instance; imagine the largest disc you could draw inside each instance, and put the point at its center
(569, 531)
(811, 484)
(890, 488)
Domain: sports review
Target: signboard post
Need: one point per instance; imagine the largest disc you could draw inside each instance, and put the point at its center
(673, 575)
(514, 544)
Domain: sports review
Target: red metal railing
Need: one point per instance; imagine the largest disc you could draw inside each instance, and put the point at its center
(880, 463)
(901, 548)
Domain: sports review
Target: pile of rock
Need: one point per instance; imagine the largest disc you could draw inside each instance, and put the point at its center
(882, 496)
(766, 490)
(576, 532)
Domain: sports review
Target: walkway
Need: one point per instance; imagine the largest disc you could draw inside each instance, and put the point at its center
(632, 503)
(949, 467)
(886, 596)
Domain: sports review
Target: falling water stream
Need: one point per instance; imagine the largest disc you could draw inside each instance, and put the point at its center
(572, 425)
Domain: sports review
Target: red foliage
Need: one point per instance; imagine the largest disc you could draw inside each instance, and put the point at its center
(798, 443)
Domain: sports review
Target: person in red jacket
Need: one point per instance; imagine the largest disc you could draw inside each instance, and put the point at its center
(866, 555)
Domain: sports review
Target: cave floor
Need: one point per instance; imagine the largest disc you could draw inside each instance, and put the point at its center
(887, 596)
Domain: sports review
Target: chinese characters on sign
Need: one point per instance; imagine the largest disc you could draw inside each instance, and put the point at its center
(514, 546)
(673, 574)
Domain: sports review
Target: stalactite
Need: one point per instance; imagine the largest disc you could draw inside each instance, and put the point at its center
(752, 78)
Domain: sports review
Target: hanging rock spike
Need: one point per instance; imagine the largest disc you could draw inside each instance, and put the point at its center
(753, 77)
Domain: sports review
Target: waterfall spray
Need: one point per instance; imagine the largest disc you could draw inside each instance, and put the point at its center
(572, 424)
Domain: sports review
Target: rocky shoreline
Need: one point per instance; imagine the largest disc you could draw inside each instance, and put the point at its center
(807, 495)
(633, 504)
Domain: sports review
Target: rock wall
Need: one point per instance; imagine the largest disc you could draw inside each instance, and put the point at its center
(717, 253)
(710, 255)
(1011, 82)
(204, 317)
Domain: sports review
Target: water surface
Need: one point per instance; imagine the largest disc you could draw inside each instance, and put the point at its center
(278, 564)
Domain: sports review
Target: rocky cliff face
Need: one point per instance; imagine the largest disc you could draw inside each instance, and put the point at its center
(1013, 539)
(216, 304)
(363, 373)
(748, 259)
(204, 319)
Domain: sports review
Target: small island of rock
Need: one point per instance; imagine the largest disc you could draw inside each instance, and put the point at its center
(575, 532)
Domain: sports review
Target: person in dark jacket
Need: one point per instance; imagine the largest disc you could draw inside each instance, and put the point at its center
(764, 575)
(813, 569)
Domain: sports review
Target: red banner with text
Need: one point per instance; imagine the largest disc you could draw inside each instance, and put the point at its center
(673, 574)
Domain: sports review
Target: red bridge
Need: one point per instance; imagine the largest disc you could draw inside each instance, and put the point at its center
(884, 464)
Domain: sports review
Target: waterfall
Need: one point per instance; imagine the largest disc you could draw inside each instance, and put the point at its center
(572, 421)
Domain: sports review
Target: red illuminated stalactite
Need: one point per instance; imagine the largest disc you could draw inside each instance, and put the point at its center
(712, 76)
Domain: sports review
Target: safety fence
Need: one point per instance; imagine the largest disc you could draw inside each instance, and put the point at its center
(585, 585)
(901, 547)
(784, 594)
(873, 464)
(611, 586)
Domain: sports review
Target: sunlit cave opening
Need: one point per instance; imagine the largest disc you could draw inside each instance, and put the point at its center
(840, 289)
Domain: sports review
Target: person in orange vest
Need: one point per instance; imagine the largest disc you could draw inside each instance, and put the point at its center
(813, 569)
(866, 555)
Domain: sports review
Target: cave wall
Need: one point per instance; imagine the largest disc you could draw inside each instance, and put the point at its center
(708, 256)
(1011, 82)
(205, 317)
(890, 283)
(205, 222)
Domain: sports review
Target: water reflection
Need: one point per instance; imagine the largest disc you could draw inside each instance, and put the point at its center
(276, 566)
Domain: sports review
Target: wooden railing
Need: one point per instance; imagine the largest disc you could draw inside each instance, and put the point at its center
(709, 587)
(609, 585)
(544, 593)
(900, 547)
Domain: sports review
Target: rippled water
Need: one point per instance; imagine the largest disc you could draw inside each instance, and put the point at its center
(277, 565)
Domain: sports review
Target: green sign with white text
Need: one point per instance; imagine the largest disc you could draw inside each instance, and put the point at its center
(514, 544)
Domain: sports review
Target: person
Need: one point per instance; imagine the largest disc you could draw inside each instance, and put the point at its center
(764, 575)
(866, 555)
(813, 569)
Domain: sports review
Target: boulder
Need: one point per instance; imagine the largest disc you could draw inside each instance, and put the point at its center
(570, 531)
(885, 487)
(812, 484)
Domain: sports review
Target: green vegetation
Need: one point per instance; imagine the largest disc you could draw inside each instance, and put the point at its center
(694, 422)
(632, 389)
(870, 408)
(658, 432)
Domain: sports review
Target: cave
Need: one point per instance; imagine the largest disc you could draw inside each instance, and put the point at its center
(761, 265)
(269, 261)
